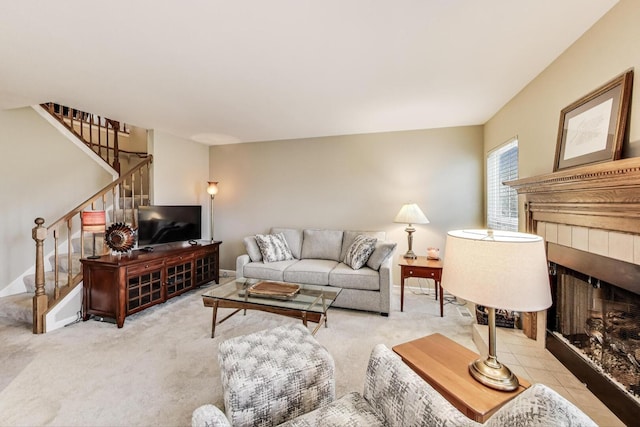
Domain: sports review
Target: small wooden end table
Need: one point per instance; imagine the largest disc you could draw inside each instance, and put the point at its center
(425, 268)
(444, 364)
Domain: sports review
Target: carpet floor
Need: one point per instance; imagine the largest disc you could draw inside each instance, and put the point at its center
(163, 364)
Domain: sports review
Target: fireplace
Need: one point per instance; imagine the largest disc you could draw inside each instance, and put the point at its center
(594, 325)
(590, 219)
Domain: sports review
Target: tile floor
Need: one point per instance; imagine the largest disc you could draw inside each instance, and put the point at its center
(527, 360)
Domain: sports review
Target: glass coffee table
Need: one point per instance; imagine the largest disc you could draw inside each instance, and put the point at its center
(306, 302)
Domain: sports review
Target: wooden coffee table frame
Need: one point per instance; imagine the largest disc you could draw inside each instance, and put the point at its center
(269, 305)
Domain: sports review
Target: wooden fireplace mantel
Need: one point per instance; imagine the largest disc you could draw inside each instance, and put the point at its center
(603, 195)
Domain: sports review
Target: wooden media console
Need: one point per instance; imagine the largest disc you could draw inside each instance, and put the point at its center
(116, 286)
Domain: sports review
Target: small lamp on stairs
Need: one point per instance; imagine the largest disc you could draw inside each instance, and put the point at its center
(92, 222)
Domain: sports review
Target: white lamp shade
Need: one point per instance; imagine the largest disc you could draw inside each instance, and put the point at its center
(498, 269)
(410, 213)
(212, 188)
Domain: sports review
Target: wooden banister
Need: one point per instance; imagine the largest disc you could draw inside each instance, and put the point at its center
(101, 134)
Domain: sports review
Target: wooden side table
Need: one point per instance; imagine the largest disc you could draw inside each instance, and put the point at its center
(444, 364)
(424, 268)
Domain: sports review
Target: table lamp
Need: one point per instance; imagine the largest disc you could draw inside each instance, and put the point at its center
(410, 214)
(499, 270)
(92, 222)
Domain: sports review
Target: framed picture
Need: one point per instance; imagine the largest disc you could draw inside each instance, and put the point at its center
(592, 128)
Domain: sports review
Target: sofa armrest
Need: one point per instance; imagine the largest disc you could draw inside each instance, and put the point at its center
(401, 398)
(385, 286)
(209, 416)
(241, 261)
(540, 405)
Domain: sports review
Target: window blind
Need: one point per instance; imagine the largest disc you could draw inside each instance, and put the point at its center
(502, 201)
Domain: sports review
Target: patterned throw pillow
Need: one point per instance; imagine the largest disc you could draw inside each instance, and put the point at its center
(273, 247)
(360, 251)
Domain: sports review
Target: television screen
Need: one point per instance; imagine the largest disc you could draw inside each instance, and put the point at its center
(165, 224)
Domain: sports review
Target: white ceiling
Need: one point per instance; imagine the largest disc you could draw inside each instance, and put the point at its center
(253, 70)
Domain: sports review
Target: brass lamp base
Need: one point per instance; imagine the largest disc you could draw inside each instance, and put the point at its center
(410, 255)
(493, 374)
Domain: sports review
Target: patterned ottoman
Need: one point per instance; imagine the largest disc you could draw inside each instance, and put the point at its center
(272, 376)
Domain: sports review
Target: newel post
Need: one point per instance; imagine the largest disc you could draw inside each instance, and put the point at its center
(40, 300)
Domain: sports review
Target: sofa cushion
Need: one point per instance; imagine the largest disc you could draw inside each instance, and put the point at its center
(322, 244)
(251, 246)
(350, 236)
(350, 410)
(359, 251)
(311, 271)
(293, 236)
(382, 251)
(539, 405)
(269, 271)
(273, 247)
(402, 398)
(344, 276)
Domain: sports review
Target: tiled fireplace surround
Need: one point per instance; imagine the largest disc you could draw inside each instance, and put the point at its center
(594, 209)
(612, 244)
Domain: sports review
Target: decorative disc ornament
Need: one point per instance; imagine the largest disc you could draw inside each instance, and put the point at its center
(120, 237)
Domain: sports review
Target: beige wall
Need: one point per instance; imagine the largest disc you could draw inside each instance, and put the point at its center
(356, 182)
(39, 179)
(608, 49)
(180, 173)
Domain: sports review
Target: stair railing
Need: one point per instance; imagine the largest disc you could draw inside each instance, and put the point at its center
(120, 198)
(99, 133)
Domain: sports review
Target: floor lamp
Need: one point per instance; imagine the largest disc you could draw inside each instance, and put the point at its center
(410, 214)
(212, 189)
(499, 270)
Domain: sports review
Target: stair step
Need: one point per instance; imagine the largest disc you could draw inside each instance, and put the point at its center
(76, 265)
(88, 243)
(119, 216)
(49, 282)
(18, 307)
(125, 202)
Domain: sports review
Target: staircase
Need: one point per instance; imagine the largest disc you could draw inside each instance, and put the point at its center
(100, 134)
(53, 294)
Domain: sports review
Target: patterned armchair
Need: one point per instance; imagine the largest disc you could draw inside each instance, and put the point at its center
(394, 395)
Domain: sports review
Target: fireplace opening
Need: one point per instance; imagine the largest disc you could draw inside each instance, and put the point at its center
(602, 322)
(594, 325)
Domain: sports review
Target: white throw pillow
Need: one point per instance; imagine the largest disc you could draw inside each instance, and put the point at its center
(273, 247)
(360, 251)
(251, 246)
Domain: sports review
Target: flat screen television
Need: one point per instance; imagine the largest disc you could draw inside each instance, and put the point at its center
(166, 224)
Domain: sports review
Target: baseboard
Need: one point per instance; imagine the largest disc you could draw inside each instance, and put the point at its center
(227, 273)
(66, 311)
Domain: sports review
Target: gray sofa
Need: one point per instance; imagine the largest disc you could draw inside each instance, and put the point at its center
(394, 395)
(318, 259)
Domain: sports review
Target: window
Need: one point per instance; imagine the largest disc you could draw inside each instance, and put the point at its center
(502, 201)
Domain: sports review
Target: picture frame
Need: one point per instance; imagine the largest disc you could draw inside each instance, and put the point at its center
(592, 129)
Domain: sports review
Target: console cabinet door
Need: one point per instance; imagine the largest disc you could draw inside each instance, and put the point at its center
(179, 275)
(207, 266)
(144, 286)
